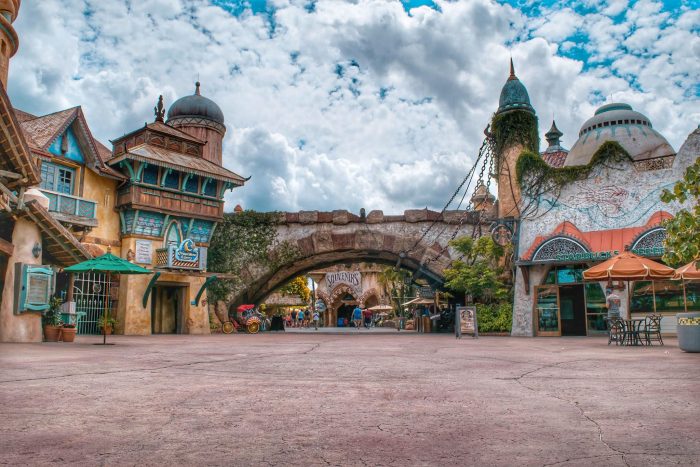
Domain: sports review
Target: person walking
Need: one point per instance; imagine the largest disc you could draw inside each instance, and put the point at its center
(612, 303)
(293, 318)
(367, 314)
(316, 319)
(357, 317)
(300, 318)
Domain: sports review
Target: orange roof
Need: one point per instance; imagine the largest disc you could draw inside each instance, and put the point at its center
(598, 240)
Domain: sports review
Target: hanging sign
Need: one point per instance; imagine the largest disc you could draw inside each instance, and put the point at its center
(187, 251)
(144, 251)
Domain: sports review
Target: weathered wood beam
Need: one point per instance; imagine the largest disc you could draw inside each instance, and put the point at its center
(6, 247)
(10, 175)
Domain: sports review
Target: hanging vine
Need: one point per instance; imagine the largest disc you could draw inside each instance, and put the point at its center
(515, 127)
(243, 243)
(537, 178)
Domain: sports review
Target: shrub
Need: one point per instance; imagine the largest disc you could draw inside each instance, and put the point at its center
(495, 317)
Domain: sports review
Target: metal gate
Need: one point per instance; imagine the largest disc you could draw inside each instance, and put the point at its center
(91, 291)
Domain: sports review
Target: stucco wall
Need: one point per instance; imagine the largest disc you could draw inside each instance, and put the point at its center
(102, 190)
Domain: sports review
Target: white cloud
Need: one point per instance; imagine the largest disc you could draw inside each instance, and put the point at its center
(357, 104)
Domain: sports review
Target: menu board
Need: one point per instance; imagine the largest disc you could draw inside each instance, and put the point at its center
(144, 251)
(466, 321)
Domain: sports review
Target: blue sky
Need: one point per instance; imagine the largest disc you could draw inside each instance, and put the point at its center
(372, 103)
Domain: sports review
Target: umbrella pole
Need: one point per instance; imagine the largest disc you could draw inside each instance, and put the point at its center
(685, 299)
(104, 312)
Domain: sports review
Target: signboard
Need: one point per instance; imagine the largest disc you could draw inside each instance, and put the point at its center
(187, 251)
(144, 251)
(426, 292)
(465, 321)
(352, 279)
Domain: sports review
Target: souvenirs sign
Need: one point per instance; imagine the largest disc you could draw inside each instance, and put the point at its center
(352, 279)
(144, 251)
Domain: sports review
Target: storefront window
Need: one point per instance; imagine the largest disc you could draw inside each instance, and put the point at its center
(596, 312)
(547, 309)
(642, 300)
(551, 277)
(569, 274)
(692, 295)
(669, 296)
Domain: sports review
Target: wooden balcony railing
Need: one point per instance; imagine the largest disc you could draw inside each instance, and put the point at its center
(71, 209)
(168, 200)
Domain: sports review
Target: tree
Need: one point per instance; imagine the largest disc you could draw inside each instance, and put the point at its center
(394, 283)
(682, 242)
(478, 272)
(297, 286)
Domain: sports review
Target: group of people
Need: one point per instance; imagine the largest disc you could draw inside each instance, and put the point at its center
(302, 318)
(362, 317)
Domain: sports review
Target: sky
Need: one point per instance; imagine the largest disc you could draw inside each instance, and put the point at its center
(366, 103)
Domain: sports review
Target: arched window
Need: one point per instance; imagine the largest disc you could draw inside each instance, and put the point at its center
(172, 235)
(560, 248)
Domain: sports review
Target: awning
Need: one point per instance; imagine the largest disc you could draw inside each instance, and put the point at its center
(60, 243)
(419, 301)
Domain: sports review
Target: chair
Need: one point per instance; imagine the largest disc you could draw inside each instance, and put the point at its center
(652, 329)
(615, 330)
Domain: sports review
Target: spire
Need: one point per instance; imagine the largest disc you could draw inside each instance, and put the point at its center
(159, 109)
(553, 135)
(512, 70)
(196, 89)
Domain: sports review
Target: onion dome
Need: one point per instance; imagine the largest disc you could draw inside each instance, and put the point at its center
(196, 106)
(514, 95)
(620, 123)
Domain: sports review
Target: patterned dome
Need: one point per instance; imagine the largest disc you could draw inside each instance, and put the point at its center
(620, 123)
(196, 105)
(514, 95)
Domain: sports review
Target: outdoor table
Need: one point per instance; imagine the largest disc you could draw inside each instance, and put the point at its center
(632, 328)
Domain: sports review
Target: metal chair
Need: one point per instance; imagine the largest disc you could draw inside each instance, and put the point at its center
(652, 329)
(615, 330)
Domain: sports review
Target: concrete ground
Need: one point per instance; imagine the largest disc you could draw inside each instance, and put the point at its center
(354, 399)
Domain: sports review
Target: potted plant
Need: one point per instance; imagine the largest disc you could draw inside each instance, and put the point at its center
(107, 323)
(68, 332)
(52, 320)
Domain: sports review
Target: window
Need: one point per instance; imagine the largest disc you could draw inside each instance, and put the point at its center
(172, 180)
(173, 235)
(596, 312)
(57, 178)
(659, 296)
(192, 184)
(210, 188)
(692, 295)
(150, 175)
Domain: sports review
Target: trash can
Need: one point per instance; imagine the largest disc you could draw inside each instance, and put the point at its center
(688, 329)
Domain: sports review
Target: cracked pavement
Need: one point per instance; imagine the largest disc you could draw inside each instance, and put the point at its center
(356, 399)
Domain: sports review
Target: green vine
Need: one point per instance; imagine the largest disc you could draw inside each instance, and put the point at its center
(242, 244)
(536, 177)
(515, 127)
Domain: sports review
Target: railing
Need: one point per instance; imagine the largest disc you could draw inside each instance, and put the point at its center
(168, 200)
(71, 207)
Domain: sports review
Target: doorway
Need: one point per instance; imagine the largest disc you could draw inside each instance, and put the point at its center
(572, 310)
(167, 309)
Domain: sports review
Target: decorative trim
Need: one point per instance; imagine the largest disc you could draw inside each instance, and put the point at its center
(204, 286)
(549, 243)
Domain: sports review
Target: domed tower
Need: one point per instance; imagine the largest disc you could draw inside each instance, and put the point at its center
(514, 128)
(201, 118)
(482, 199)
(9, 42)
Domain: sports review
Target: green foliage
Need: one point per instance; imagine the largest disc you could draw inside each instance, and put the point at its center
(52, 317)
(495, 317)
(515, 127)
(106, 320)
(241, 243)
(478, 272)
(297, 286)
(682, 244)
(394, 281)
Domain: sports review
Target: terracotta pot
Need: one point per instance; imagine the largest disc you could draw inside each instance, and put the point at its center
(51, 333)
(108, 331)
(68, 334)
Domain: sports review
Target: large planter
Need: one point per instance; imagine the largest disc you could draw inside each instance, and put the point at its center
(68, 334)
(51, 333)
(688, 329)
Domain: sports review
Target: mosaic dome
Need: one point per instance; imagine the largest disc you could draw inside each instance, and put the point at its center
(196, 105)
(620, 123)
(514, 95)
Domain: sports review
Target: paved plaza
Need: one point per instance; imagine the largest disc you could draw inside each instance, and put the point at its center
(354, 399)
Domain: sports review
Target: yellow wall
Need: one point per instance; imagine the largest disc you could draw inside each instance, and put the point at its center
(103, 191)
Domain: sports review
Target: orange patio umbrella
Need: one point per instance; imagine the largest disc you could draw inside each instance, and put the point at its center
(628, 267)
(688, 272)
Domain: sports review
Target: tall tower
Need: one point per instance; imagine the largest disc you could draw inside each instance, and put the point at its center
(514, 129)
(201, 118)
(9, 42)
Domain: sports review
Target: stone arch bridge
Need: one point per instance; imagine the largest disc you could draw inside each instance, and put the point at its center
(417, 240)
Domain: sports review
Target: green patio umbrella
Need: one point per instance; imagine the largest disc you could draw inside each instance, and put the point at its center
(107, 263)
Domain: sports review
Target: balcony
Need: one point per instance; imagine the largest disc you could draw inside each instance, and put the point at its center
(170, 201)
(71, 209)
(174, 257)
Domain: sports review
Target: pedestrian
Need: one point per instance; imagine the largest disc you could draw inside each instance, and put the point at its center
(316, 319)
(367, 314)
(612, 302)
(357, 317)
(300, 317)
(294, 318)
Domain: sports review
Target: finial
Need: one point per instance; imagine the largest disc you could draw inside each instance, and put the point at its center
(553, 135)
(159, 109)
(512, 70)
(196, 89)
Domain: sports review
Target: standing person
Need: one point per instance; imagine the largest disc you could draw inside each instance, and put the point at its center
(316, 319)
(293, 318)
(367, 314)
(357, 317)
(612, 302)
(300, 317)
